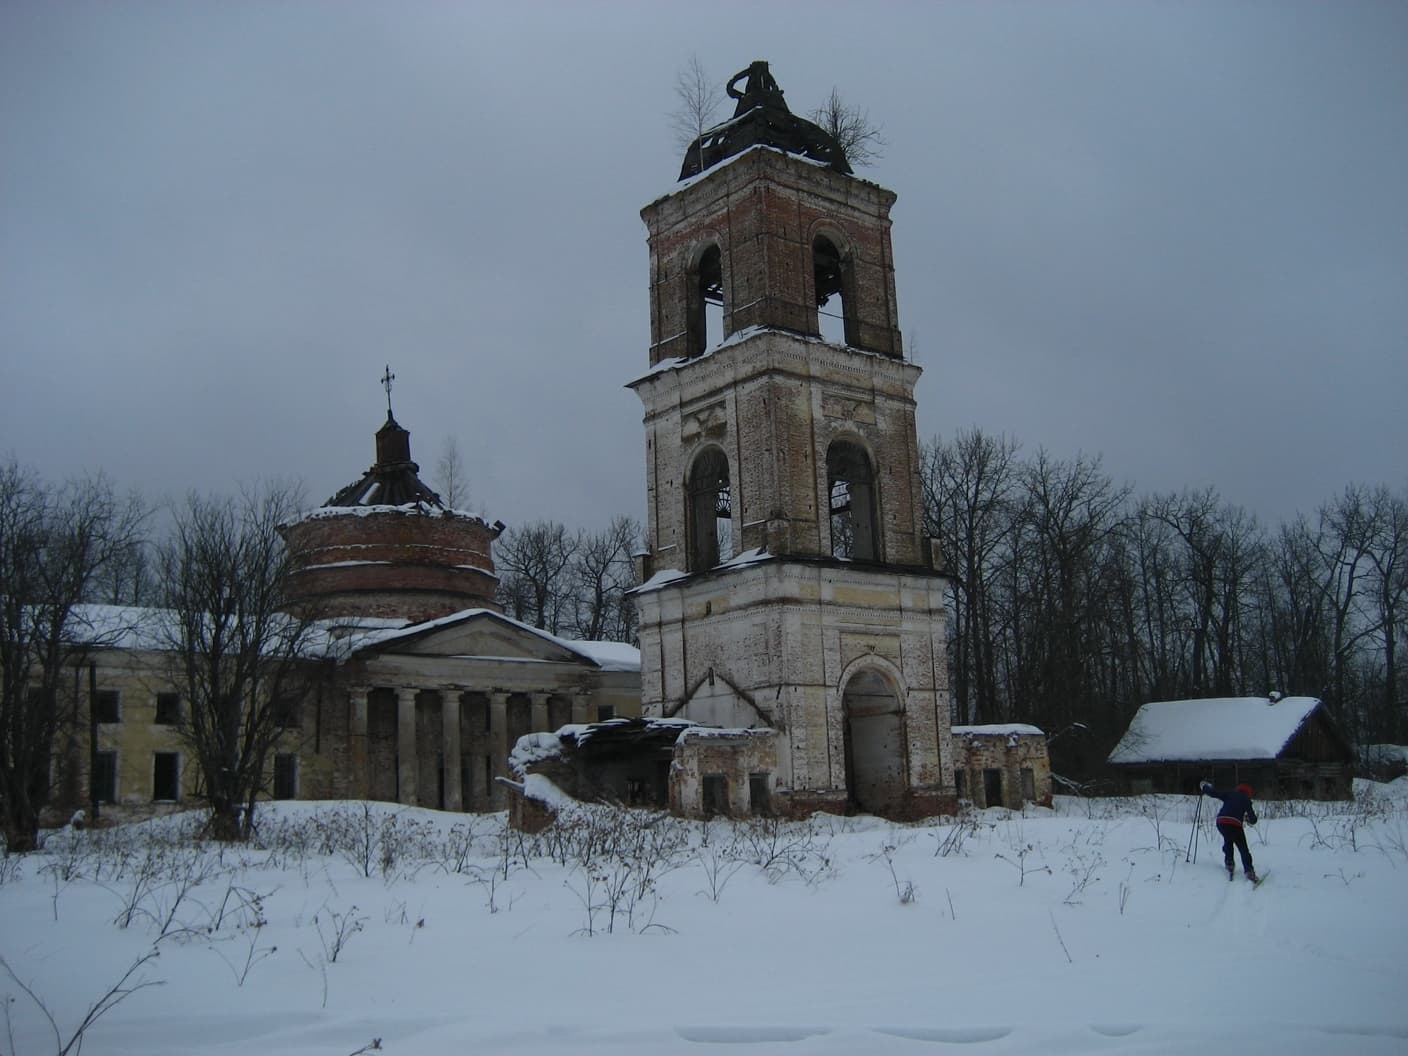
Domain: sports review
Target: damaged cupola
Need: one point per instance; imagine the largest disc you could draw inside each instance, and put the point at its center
(387, 546)
(761, 118)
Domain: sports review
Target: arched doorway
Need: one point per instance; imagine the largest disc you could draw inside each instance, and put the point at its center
(875, 756)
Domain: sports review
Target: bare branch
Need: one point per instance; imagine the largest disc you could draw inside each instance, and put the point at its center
(860, 137)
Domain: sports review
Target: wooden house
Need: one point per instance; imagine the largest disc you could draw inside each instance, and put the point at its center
(1284, 747)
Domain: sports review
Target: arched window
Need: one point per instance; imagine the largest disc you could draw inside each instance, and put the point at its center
(710, 511)
(705, 325)
(851, 489)
(831, 272)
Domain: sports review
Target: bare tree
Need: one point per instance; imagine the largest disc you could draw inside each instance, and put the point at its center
(242, 661)
(54, 544)
(603, 571)
(453, 477)
(535, 564)
(861, 139)
(697, 99)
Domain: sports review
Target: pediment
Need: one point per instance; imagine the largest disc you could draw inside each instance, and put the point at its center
(483, 634)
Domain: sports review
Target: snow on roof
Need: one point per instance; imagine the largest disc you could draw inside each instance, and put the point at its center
(407, 509)
(1212, 728)
(666, 576)
(608, 656)
(1006, 729)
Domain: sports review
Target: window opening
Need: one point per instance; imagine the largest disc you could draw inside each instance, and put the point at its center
(109, 705)
(166, 776)
(288, 713)
(285, 776)
(168, 709)
(710, 511)
(830, 277)
(706, 302)
(851, 487)
(104, 785)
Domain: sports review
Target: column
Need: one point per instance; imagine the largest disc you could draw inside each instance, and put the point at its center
(579, 708)
(359, 770)
(538, 713)
(450, 745)
(498, 746)
(406, 760)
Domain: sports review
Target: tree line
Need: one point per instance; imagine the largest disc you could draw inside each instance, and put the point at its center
(1073, 601)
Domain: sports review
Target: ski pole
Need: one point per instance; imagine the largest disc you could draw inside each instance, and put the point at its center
(1192, 855)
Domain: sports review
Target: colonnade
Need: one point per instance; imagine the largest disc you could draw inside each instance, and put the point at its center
(507, 715)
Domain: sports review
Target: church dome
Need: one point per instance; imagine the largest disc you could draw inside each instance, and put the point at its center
(387, 546)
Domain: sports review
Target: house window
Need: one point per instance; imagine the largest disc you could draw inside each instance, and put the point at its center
(166, 776)
(710, 512)
(715, 800)
(759, 794)
(851, 489)
(107, 707)
(286, 776)
(168, 709)
(1028, 784)
(104, 785)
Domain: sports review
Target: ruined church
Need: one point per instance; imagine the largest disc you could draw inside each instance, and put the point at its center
(792, 652)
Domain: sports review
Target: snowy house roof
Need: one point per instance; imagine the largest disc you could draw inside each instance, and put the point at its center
(1213, 728)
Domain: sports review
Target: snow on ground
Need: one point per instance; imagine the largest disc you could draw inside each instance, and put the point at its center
(1075, 930)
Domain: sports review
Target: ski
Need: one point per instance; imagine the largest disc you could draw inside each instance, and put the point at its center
(1260, 879)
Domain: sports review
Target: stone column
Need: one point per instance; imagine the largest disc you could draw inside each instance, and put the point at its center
(579, 708)
(359, 770)
(450, 745)
(498, 746)
(407, 763)
(538, 715)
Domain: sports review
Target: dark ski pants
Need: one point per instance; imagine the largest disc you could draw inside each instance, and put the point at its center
(1234, 836)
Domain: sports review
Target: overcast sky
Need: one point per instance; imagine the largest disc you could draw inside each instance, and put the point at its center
(1174, 235)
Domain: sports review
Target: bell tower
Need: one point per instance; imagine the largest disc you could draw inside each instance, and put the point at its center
(790, 585)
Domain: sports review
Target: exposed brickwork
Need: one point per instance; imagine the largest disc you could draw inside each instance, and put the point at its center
(764, 210)
(1008, 753)
(392, 563)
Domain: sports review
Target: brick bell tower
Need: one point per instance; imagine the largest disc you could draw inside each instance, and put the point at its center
(790, 584)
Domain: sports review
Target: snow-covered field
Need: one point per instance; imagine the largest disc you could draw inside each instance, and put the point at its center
(1075, 930)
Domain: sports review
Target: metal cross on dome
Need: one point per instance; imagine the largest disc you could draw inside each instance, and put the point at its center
(386, 380)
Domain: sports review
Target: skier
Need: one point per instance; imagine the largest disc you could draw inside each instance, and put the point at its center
(1236, 809)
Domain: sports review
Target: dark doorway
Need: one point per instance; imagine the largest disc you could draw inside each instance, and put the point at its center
(875, 767)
